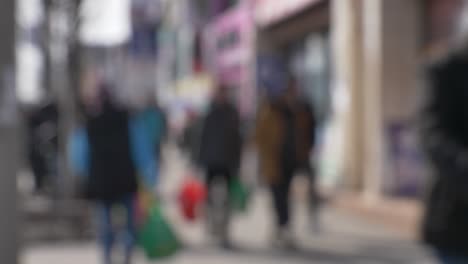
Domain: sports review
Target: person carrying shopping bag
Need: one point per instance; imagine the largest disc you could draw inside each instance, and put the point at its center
(220, 151)
(110, 151)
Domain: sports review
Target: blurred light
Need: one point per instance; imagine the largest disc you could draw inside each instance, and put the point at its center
(105, 22)
(30, 13)
(29, 81)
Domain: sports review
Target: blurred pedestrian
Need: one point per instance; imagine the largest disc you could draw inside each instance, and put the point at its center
(112, 178)
(285, 136)
(109, 152)
(42, 130)
(445, 137)
(220, 151)
(154, 116)
(445, 134)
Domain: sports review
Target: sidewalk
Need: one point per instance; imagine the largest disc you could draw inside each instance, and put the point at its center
(401, 215)
(345, 238)
(348, 236)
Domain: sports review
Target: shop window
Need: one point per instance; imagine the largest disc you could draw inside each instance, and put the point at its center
(309, 63)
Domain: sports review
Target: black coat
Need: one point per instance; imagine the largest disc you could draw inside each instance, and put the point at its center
(112, 171)
(220, 144)
(445, 127)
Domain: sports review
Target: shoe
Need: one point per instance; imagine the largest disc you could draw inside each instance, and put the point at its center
(315, 226)
(289, 241)
(227, 245)
(284, 240)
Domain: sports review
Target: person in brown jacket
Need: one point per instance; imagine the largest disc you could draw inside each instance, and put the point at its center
(285, 137)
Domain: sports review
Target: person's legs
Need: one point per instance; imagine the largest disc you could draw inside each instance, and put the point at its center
(314, 200)
(106, 231)
(280, 205)
(226, 175)
(38, 169)
(282, 191)
(218, 202)
(210, 177)
(131, 233)
(281, 201)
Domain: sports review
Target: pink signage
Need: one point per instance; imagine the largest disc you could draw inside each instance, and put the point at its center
(229, 40)
(271, 11)
(230, 48)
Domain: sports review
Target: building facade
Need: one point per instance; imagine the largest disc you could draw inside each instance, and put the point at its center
(381, 50)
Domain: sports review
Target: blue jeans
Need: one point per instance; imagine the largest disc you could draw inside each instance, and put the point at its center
(107, 232)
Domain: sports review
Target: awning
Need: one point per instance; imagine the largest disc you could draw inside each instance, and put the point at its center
(268, 12)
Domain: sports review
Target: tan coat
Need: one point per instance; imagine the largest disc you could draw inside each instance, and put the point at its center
(269, 136)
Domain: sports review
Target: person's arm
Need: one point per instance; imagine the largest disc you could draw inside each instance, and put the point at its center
(238, 140)
(313, 125)
(143, 153)
(201, 140)
(261, 127)
(78, 152)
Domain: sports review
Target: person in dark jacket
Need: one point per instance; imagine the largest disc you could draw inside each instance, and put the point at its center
(42, 124)
(220, 150)
(285, 137)
(445, 134)
(112, 176)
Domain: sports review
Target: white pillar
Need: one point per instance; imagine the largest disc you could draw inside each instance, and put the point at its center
(347, 56)
(376, 46)
(372, 96)
(392, 36)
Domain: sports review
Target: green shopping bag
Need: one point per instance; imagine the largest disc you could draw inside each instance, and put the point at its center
(157, 237)
(239, 195)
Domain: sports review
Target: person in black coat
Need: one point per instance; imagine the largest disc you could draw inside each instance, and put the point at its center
(112, 179)
(220, 151)
(445, 136)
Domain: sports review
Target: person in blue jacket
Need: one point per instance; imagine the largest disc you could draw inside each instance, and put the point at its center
(112, 150)
(155, 120)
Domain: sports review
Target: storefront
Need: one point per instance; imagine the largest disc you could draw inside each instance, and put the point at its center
(229, 55)
(441, 20)
(298, 32)
(407, 167)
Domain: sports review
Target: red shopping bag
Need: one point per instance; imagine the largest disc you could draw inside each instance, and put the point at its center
(191, 197)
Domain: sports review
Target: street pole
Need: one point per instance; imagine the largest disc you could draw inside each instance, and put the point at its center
(59, 44)
(8, 137)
